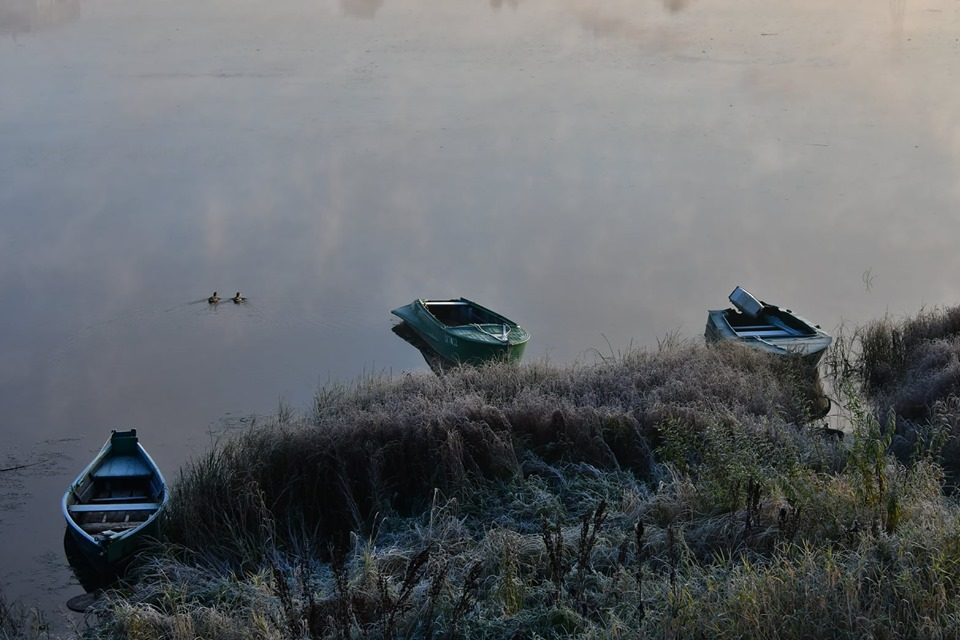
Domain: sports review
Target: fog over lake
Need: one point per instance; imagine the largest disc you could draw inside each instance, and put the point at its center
(601, 172)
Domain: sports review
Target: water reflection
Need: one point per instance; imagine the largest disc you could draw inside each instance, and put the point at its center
(434, 360)
(676, 6)
(361, 8)
(25, 16)
(897, 11)
(89, 577)
(368, 8)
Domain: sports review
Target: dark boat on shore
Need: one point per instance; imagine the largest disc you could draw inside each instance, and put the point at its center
(113, 506)
(464, 332)
(767, 327)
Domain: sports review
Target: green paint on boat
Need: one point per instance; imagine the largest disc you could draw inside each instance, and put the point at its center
(462, 331)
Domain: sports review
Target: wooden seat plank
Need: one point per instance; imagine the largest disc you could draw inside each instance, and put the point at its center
(131, 506)
(123, 467)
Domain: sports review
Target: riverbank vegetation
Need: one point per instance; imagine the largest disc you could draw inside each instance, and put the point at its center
(679, 493)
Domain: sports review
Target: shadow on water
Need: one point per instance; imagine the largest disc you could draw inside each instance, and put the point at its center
(90, 578)
(361, 8)
(434, 360)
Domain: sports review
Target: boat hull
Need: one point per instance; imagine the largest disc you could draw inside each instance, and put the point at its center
(112, 509)
(463, 332)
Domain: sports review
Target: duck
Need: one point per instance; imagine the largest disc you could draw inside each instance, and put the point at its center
(237, 299)
(214, 298)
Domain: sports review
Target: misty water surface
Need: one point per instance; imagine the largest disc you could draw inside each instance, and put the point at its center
(602, 173)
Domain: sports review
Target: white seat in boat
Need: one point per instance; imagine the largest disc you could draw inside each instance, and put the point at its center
(770, 333)
(130, 506)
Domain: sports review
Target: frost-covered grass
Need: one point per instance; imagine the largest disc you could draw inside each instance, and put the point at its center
(910, 369)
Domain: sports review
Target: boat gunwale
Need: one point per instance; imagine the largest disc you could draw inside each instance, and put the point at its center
(468, 332)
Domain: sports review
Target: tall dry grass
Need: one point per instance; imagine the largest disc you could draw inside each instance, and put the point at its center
(383, 446)
(21, 622)
(910, 368)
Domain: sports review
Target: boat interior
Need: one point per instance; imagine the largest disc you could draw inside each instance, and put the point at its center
(455, 313)
(120, 494)
(770, 323)
(753, 318)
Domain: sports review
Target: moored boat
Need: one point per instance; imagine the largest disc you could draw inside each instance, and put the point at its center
(462, 331)
(114, 505)
(767, 327)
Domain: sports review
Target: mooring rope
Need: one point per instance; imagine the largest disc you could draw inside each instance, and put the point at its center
(503, 337)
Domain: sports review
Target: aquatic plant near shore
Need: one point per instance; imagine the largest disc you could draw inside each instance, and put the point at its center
(21, 622)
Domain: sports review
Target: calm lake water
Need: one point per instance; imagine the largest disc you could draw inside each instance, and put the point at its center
(601, 172)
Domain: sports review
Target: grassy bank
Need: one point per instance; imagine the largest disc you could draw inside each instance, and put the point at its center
(681, 493)
(909, 370)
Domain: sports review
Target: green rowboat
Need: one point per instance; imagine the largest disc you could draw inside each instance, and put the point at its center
(464, 332)
(114, 505)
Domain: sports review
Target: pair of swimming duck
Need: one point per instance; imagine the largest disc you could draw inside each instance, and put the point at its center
(237, 299)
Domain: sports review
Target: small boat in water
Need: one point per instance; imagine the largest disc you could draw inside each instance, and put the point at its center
(768, 327)
(114, 505)
(462, 331)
